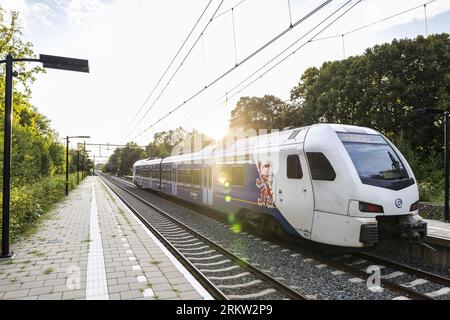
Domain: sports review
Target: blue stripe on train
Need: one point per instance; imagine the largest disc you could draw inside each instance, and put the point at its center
(239, 197)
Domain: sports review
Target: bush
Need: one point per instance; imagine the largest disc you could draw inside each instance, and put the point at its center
(29, 203)
(427, 169)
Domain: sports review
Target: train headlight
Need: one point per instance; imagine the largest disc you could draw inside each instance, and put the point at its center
(369, 207)
(414, 206)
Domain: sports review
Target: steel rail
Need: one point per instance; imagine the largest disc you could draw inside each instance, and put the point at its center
(411, 293)
(409, 270)
(292, 294)
(200, 277)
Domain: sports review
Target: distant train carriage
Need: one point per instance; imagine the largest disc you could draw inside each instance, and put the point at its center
(333, 184)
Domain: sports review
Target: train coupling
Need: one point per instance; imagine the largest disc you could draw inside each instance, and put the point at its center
(413, 231)
(408, 227)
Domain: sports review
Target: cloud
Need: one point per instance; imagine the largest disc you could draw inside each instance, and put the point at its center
(42, 13)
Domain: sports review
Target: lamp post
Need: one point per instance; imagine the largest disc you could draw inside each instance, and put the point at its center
(67, 158)
(445, 114)
(53, 62)
(78, 165)
(84, 160)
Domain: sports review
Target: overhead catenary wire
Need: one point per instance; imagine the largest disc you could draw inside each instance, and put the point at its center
(274, 58)
(228, 10)
(178, 68)
(171, 63)
(375, 22)
(295, 50)
(281, 53)
(251, 55)
(234, 36)
(313, 39)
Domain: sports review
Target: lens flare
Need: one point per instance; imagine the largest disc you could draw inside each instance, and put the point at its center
(236, 228)
(222, 178)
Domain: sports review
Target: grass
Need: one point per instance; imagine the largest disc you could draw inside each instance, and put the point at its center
(30, 205)
(36, 253)
(48, 270)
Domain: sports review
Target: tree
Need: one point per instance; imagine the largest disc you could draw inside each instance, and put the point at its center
(36, 151)
(164, 141)
(11, 42)
(383, 89)
(268, 112)
(122, 160)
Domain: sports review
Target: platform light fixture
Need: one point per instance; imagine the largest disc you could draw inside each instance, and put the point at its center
(53, 62)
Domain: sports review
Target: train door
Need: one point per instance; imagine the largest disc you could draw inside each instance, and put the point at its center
(207, 184)
(295, 198)
(174, 179)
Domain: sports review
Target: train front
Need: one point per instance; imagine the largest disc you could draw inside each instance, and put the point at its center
(377, 188)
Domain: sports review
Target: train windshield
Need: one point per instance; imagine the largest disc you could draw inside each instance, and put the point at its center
(373, 157)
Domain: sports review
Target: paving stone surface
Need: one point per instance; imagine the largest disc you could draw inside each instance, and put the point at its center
(92, 247)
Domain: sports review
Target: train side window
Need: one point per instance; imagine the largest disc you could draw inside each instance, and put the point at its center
(237, 176)
(196, 178)
(321, 168)
(294, 168)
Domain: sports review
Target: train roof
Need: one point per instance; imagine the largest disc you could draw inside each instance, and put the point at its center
(253, 141)
(148, 161)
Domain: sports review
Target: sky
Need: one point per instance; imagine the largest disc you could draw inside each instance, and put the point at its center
(129, 44)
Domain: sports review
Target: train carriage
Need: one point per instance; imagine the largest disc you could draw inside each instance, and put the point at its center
(334, 184)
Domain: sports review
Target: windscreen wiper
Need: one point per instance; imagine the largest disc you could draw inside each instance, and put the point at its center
(395, 164)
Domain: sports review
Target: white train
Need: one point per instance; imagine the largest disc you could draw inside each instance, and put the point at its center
(334, 184)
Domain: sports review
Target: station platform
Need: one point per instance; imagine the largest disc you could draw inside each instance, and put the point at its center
(92, 247)
(438, 233)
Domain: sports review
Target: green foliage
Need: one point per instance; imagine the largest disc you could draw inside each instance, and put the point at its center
(268, 112)
(122, 160)
(383, 89)
(36, 151)
(11, 42)
(163, 144)
(426, 170)
(29, 203)
(37, 154)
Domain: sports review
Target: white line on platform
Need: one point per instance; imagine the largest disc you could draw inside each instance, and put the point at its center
(96, 285)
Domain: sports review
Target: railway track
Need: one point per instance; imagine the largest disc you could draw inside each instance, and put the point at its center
(221, 272)
(405, 281)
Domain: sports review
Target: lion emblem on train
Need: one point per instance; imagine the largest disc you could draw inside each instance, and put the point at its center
(264, 183)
